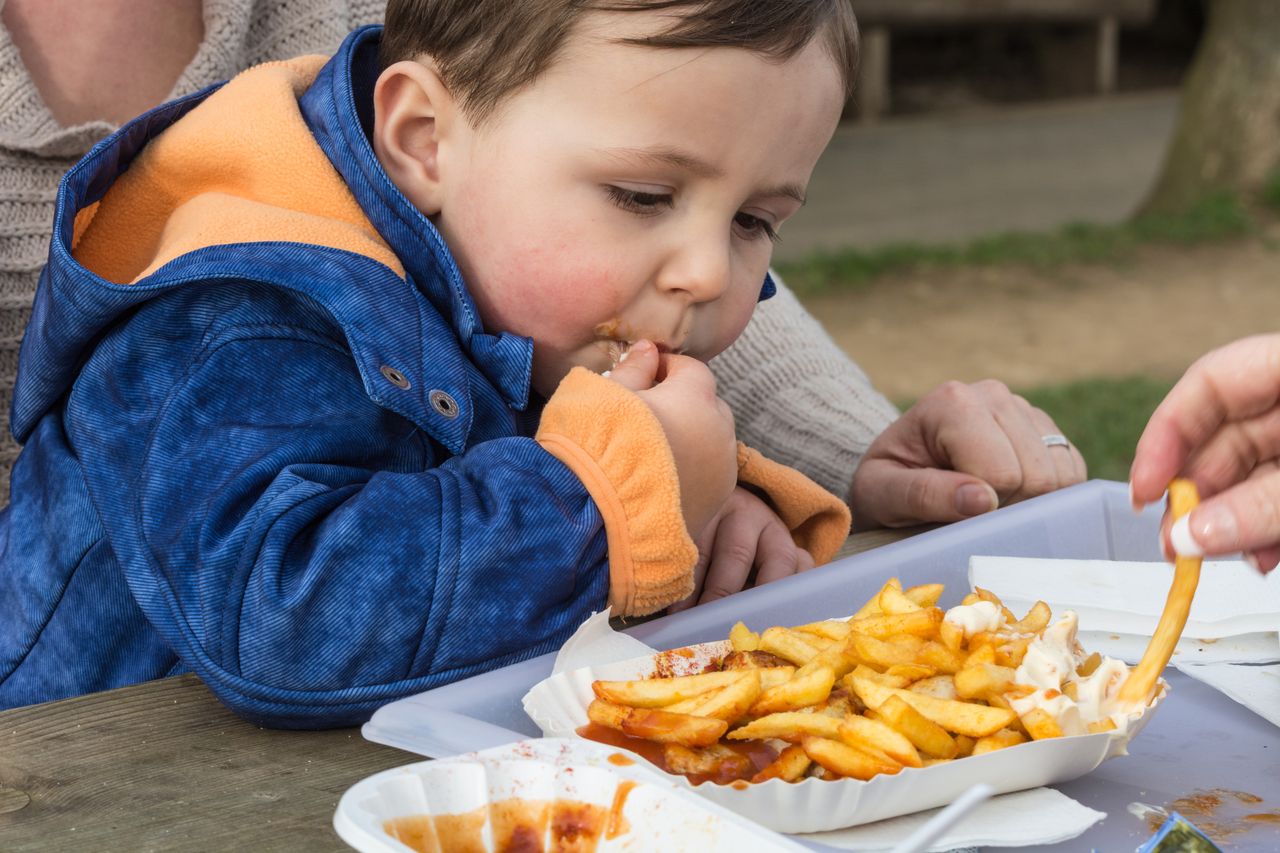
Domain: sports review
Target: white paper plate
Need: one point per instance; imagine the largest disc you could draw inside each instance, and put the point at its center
(558, 705)
(468, 790)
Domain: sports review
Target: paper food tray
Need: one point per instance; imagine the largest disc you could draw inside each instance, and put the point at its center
(482, 801)
(559, 707)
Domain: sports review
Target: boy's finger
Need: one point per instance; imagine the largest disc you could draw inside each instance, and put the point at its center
(687, 372)
(777, 555)
(638, 367)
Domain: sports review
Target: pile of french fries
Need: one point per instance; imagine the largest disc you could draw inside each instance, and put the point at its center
(893, 686)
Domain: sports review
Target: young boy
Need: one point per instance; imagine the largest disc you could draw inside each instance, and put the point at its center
(312, 395)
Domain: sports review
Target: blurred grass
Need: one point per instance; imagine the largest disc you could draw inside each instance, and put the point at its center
(1218, 217)
(1102, 417)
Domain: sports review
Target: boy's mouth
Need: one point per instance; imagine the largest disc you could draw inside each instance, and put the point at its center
(618, 349)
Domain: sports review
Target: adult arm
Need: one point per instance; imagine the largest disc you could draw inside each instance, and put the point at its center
(961, 450)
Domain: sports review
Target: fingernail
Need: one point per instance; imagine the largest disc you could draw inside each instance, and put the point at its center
(606, 373)
(1184, 544)
(639, 346)
(1216, 526)
(1252, 560)
(974, 499)
(1133, 502)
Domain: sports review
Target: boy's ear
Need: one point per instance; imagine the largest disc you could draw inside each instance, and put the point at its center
(413, 110)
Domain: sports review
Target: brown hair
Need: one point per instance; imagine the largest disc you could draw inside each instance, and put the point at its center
(488, 49)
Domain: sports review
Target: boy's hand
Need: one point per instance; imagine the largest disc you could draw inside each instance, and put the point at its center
(745, 545)
(681, 392)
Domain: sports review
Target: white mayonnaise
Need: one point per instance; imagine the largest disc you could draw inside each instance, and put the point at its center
(1050, 664)
(975, 618)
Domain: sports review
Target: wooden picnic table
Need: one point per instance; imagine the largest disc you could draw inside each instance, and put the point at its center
(164, 766)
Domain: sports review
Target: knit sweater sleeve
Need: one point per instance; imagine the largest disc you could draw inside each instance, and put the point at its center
(797, 398)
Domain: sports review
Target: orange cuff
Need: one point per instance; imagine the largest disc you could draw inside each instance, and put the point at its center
(610, 439)
(818, 520)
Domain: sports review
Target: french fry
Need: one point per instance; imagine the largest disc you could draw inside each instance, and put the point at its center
(715, 761)
(983, 680)
(913, 672)
(830, 629)
(864, 671)
(964, 745)
(788, 726)
(789, 766)
(1141, 681)
(960, 717)
(925, 594)
(922, 623)
(881, 654)
(1089, 665)
(1101, 726)
(659, 692)
(1040, 724)
(799, 692)
(929, 737)
(998, 740)
(840, 657)
(845, 760)
(951, 635)
(894, 601)
(731, 702)
(659, 726)
(862, 733)
(872, 607)
(988, 595)
(787, 644)
(1036, 620)
(743, 638)
(983, 654)
(1011, 653)
(939, 686)
(940, 657)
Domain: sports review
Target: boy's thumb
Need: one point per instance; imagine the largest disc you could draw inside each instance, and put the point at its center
(638, 367)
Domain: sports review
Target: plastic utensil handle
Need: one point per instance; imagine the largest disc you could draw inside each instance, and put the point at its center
(944, 820)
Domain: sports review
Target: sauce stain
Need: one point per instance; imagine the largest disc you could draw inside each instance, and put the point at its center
(617, 824)
(1217, 812)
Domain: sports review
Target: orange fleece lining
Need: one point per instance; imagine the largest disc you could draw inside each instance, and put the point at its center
(241, 167)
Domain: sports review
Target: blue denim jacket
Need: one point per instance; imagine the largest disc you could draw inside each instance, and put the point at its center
(282, 466)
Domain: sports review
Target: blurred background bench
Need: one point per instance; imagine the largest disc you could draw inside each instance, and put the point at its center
(1087, 54)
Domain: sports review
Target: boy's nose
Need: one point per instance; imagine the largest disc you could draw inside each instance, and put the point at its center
(699, 268)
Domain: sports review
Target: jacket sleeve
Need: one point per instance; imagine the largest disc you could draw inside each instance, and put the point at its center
(306, 552)
(616, 446)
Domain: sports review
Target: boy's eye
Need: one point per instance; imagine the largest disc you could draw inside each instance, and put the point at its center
(754, 227)
(640, 202)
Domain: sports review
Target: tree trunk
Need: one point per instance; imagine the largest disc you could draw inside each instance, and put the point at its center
(1228, 133)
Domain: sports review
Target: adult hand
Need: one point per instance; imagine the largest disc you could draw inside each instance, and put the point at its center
(1220, 426)
(681, 393)
(962, 450)
(745, 545)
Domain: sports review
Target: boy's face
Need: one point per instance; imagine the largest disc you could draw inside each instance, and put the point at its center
(631, 193)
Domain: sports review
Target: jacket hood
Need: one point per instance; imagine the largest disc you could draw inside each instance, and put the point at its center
(207, 185)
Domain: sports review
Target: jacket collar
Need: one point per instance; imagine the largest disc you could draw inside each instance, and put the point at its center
(338, 107)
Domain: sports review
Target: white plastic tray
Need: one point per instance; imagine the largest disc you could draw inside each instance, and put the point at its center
(1200, 739)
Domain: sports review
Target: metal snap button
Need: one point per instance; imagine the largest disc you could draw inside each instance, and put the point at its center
(395, 377)
(443, 404)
